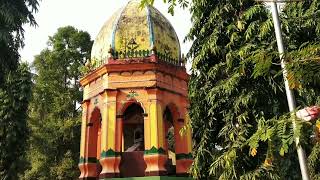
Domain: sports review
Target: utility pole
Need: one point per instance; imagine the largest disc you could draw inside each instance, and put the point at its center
(289, 92)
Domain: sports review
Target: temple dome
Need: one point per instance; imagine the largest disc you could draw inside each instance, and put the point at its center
(132, 32)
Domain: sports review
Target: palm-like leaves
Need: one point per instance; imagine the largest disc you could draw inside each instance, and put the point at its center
(238, 107)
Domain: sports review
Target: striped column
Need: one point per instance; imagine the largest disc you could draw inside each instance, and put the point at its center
(110, 156)
(155, 155)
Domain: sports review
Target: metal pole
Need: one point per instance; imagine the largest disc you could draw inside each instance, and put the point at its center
(289, 92)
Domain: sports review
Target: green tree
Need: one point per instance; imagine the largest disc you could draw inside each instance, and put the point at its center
(172, 4)
(232, 88)
(13, 15)
(55, 116)
(238, 106)
(242, 123)
(15, 84)
(15, 94)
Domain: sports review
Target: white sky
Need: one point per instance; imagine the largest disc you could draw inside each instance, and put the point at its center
(87, 15)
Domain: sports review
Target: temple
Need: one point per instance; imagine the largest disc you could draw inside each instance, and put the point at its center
(135, 100)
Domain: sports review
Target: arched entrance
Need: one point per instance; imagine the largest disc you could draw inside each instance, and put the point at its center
(94, 139)
(170, 141)
(132, 162)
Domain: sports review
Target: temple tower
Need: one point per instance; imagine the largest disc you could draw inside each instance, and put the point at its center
(135, 99)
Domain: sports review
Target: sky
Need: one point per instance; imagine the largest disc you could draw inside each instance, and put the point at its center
(87, 15)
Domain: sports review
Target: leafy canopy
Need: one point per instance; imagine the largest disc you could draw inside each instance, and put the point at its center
(13, 15)
(54, 111)
(15, 85)
(172, 4)
(238, 106)
(15, 94)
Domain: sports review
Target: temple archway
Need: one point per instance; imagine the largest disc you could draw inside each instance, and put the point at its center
(132, 162)
(133, 129)
(94, 139)
(169, 116)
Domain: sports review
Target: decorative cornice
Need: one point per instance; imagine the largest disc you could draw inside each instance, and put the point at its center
(121, 66)
(136, 54)
(111, 92)
(168, 90)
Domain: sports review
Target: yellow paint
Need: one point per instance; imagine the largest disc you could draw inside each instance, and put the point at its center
(132, 26)
(166, 40)
(156, 126)
(103, 41)
(104, 129)
(147, 133)
(111, 125)
(160, 126)
(153, 125)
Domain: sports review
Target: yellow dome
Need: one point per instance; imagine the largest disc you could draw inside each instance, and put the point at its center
(132, 32)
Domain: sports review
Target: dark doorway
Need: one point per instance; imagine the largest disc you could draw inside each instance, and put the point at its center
(170, 141)
(132, 161)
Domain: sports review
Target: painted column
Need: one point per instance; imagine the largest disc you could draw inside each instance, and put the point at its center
(82, 160)
(147, 132)
(155, 155)
(184, 145)
(110, 157)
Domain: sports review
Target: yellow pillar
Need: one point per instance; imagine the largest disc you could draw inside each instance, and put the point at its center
(147, 132)
(111, 125)
(82, 161)
(110, 157)
(155, 155)
(104, 126)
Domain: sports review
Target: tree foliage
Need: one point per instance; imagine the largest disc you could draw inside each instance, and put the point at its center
(54, 111)
(15, 94)
(238, 106)
(172, 4)
(15, 84)
(13, 15)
